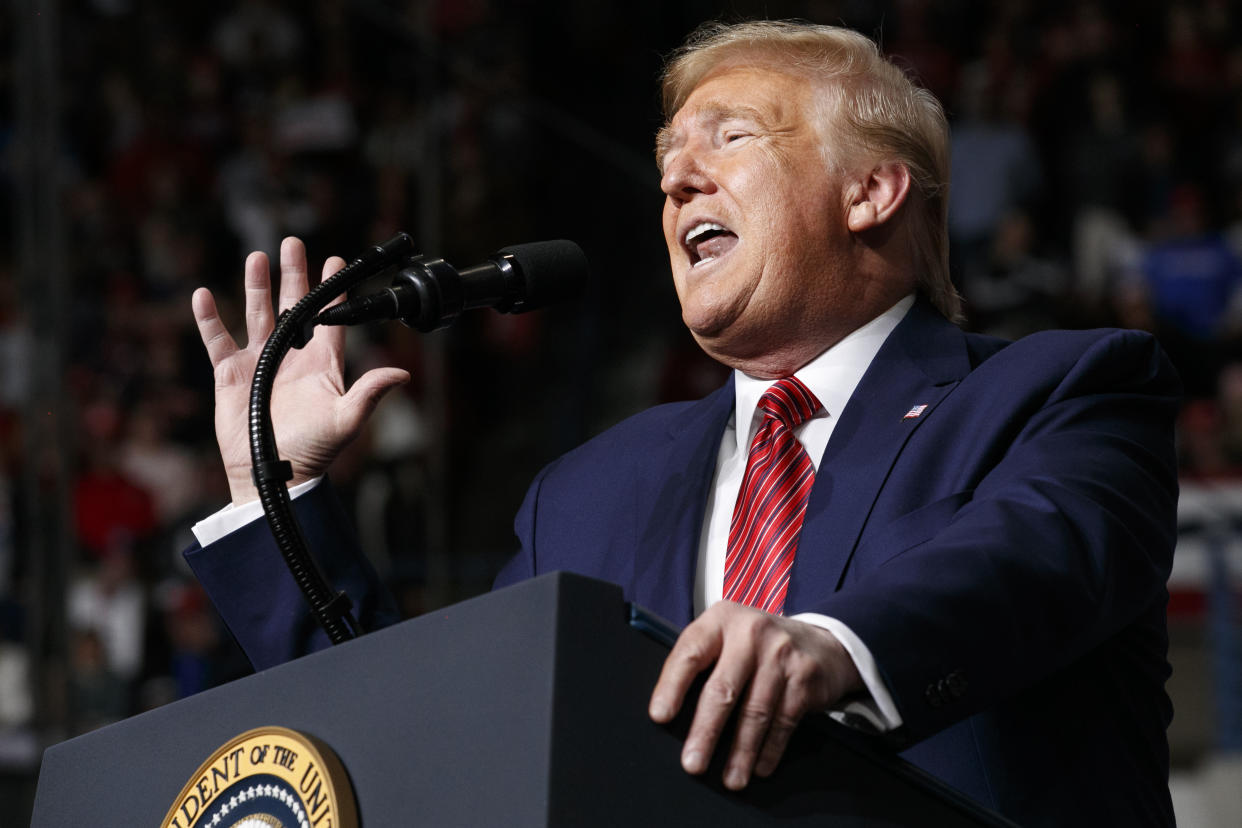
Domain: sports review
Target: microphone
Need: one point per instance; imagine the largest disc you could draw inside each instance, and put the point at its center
(429, 294)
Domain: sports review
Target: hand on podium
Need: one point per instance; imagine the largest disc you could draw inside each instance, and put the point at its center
(777, 669)
(314, 415)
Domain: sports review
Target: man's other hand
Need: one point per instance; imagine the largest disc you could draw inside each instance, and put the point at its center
(772, 669)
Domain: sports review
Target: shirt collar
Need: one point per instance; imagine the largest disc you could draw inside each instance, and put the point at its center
(831, 376)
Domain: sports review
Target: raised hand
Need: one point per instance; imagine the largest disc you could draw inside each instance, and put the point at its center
(313, 414)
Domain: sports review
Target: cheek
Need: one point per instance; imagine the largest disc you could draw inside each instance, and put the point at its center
(669, 223)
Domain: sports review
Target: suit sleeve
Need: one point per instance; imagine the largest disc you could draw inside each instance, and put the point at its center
(1059, 546)
(245, 577)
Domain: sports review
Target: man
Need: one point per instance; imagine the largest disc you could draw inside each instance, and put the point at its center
(979, 564)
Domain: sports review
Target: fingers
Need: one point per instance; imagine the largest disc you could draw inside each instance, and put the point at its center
(791, 698)
(721, 693)
(332, 336)
(331, 267)
(756, 721)
(258, 284)
(699, 645)
(293, 279)
(216, 338)
(779, 733)
(366, 392)
(295, 284)
(695, 650)
(770, 670)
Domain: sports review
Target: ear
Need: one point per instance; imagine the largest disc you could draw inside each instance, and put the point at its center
(880, 194)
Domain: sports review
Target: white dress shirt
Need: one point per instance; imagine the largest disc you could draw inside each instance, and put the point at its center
(831, 377)
(231, 518)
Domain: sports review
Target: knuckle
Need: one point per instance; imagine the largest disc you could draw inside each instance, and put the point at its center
(764, 693)
(805, 667)
(757, 714)
(720, 691)
(800, 694)
(754, 628)
(793, 706)
(782, 647)
(783, 723)
(691, 651)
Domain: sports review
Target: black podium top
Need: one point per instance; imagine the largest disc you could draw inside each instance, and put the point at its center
(523, 707)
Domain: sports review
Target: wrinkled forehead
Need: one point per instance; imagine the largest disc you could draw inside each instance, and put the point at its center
(761, 93)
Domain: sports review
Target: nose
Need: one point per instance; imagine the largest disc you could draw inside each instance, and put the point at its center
(685, 175)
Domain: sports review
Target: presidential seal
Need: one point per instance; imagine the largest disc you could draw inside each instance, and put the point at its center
(269, 777)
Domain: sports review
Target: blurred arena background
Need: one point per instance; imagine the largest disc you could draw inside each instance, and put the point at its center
(146, 147)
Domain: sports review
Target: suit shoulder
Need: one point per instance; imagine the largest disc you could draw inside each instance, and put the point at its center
(648, 422)
(1121, 352)
(984, 346)
(631, 439)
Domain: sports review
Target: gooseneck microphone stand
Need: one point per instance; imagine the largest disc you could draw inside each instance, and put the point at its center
(294, 328)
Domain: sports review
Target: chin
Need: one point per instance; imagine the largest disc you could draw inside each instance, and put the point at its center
(702, 319)
(719, 347)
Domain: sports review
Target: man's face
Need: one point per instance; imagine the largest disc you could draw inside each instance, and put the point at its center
(754, 220)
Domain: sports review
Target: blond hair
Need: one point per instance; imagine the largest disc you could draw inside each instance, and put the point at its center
(870, 106)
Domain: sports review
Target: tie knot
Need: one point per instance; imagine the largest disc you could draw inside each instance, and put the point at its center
(789, 401)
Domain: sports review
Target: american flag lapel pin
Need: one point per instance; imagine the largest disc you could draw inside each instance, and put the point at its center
(915, 413)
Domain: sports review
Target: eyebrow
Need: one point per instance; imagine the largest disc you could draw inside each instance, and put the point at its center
(666, 138)
(711, 113)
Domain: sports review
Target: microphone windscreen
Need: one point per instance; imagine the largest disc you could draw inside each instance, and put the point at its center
(552, 270)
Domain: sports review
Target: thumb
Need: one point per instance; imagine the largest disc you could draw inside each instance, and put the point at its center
(360, 400)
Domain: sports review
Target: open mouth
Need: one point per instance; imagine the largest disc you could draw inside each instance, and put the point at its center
(707, 241)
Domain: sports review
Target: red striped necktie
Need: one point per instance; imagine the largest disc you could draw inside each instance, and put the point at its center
(767, 518)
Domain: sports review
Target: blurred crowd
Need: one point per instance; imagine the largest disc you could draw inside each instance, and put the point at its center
(1097, 180)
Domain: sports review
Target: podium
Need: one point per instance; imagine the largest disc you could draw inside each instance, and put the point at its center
(522, 707)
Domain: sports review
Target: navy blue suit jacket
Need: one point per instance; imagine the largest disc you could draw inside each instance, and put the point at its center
(1004, 553)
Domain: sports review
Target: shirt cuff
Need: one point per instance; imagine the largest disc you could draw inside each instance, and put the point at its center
(879, 710)
(231, 518)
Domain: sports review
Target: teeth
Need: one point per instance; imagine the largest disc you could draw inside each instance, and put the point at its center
(701, 228)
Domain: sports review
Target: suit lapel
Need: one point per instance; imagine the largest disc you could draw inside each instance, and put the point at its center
(670, 510)
(919, 364)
